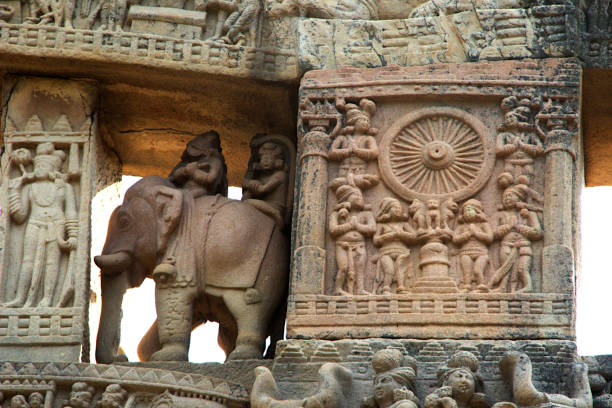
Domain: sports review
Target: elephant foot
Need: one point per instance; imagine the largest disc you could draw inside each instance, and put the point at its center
(245, 352)
(171, 352)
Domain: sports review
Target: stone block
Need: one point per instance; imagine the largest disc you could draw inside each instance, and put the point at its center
(442, 199)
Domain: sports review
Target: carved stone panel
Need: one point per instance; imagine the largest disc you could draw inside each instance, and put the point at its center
(448, 194)
(49, 176)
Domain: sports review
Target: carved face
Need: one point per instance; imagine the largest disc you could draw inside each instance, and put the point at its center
(470, 213)
(462, 384)
(18, 401)
(362, 124)
(356, 200)
(509, 199)
(36, 400)
(270, 156)
(384, 384)
(42, 169)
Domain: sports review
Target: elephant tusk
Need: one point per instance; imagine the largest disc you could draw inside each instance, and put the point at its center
(113, 263)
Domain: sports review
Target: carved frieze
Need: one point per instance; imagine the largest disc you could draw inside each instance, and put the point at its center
(439, 205)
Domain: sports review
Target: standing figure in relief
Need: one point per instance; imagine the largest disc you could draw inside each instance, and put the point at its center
(395, 381)
(349, 225)
(47, 202)
(265, 186)
(356, 139)
(473, 237)
(202, 169)
(112, 14)
(393, 235)
(516, 225)
(461, 385)
(517, 142)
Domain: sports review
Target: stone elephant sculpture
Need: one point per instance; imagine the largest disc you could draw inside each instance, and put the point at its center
(212, 258)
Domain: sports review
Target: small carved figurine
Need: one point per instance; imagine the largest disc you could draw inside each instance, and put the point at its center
(517, 226)
(266, 184)
(418, 212)
(393, 234)
(447, 213)
(357, 137)
(112, 397)
(349, 225)
(47, 11)
(473, 236)
(112, 14)
(202, 169)
(517, 142)
(241, 22)
(461, 385)
(80, 396)
(395, 380)
(46, 201)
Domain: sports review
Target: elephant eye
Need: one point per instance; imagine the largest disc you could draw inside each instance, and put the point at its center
(123, 221)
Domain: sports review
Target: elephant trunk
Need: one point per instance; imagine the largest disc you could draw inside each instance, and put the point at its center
(109, 331)
(113, 264)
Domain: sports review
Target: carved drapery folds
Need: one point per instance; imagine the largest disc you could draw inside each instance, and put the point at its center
(441, 206)
(48, 181)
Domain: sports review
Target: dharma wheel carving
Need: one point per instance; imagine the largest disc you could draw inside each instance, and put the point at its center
(436, 153)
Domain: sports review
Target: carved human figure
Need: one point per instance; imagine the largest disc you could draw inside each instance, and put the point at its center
(58, 11)
(461, 384)
(45, 201)
(516, 226)
(18, 401)
(394, 382)
(113, 397)
(112, 14)
(517, 142)
(393, 235)
(240, 23)
(81, 395)
(265, 186)
(473, 236)
(349, 225)
(202, 169)
(36, 400)
(356, 139)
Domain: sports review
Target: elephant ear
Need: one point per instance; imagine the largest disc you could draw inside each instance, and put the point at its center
(169, 202)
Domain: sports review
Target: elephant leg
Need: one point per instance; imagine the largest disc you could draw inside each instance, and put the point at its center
(251, 339)
(226, 339)
(174, 314)
(150, 341)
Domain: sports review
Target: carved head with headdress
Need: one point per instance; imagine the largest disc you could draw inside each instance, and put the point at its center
(48, 161)
(390, 209)
(518, 112)
(349, 196)
(513, 195)
(462, 377)
(395, 378)
(358, 117)
(472, 211)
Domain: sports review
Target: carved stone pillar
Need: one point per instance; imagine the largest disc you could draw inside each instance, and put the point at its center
(309, 252)
(556, 123)
(49, 176)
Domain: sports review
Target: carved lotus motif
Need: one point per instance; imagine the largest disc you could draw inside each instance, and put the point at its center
(436, 153)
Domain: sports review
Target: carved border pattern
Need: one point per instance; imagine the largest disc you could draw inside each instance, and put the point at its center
(151, 49)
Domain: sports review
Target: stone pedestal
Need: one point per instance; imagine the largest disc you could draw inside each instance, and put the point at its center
(48, 180)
